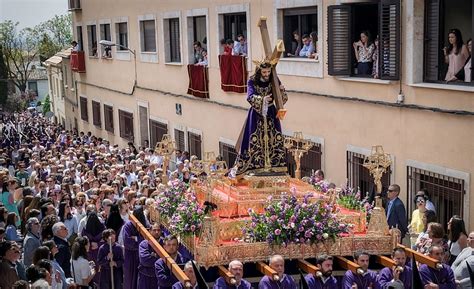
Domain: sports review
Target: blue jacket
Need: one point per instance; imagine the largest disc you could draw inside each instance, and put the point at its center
(397, 216)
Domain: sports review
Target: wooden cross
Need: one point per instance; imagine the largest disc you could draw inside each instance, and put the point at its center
(273, 56)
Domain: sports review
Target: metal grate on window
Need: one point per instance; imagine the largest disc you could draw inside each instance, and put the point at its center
(179, 139)
(109, 118)
(83, 104)
(228, 153)
(310, 161)
(446, 193)
(157, 130)
(194, 143)
(359, 177)
(96, 113)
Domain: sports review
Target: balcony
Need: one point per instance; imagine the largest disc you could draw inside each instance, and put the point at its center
(78, 63)
(74, 5)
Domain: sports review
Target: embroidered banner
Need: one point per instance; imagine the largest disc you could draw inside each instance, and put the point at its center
(198, 80)
(233, 73)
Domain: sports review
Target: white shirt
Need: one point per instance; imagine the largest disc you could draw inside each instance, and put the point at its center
(81, 270)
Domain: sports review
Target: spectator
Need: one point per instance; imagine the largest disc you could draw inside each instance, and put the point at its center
(240, 47)
(429, 204)
(69, 221)
(75, 46)
(10, 254)
(11, 233)
(455, 55)
(307, 48)
(58, 271)
(198, 52)
(31, 241)
(296, 44)
(457, 237)
(416, 224)
(436, 236)
(428, 217)
(204, 61)
(363, 50)
(83, 270)
(64, 255)
(466, 73)
(314, 45)
(375, 59)
(396, 213)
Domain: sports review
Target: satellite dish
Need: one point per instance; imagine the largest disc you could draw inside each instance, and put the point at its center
(49, 114)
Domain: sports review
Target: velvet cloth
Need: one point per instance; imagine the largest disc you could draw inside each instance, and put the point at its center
(233, 73)
(198, 80)
(251, 144)
(146, 269)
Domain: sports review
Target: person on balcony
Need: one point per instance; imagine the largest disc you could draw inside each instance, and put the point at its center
(307, 49)
(240, 47)
(455, 55)
(75, 46)
(198, 52)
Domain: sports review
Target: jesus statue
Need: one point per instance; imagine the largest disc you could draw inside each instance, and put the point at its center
(260, 144)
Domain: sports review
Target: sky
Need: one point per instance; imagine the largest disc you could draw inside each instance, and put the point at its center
(31, 12)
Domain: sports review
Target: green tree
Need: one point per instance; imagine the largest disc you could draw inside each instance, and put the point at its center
(3, 79)
(46, 104)
(55, 35)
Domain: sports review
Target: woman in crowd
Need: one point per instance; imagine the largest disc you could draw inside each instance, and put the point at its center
(363, 50)
(11, 230)
(416, 224)
(93, 232)
(314, 44)
(436, 236)
(296, 44)
(68, 219)
(9, 255)
(82, 271)
(455, 55)
(457, 237)
(124, 210)
(31, 241)
(57, 270)
(466, 73)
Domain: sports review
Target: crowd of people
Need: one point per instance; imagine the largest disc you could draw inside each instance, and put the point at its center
(64, 221)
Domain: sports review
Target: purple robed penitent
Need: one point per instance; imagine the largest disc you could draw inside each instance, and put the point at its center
(385, 277)
(131, 240)
(443, 277)
(362, 281)
(287, 282)
(165, 278)
(318, 283)
(92, 254)
(252, 142)
(104, 264)
(146, 269)
(222, 284)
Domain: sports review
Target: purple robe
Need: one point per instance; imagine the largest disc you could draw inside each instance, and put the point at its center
(130, 265)
(92, 254)
(146, 269)
(385, 277)
(179, 285)
(222, 284)
(362, 281)
(104, 264)
(444, 277)
(251, 140)
(165, 279)
(317, 283)
(287, 282)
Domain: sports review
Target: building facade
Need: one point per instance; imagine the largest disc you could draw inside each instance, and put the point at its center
(138, 91)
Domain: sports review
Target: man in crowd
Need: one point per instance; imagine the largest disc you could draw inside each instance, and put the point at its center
(148, 258)
(236, 268)
(189, 271)
(325, 280)
(400, 274)
(284, 281)
(165, 278)
(240, 47)
(367, 279)
(464, 259)
(437, 278)
(396, 213)
(64, 252)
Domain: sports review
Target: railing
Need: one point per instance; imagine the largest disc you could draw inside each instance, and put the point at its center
(78, 63)
(172, 265)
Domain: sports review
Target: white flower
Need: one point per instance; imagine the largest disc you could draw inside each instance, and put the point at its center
(325, 235)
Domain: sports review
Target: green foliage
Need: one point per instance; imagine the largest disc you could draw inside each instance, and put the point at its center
(55, 35)
(3, 79)
(46, 104)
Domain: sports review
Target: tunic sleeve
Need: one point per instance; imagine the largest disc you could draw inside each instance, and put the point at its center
(102, 256)
(146, 258)
(118, 255)
(256, 101)
(348, 280)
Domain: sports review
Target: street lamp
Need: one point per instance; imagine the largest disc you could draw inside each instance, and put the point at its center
(110, 43)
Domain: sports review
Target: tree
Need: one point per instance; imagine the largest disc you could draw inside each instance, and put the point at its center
(20, 49)
(56, 34)
(3, 79)
(47, 104)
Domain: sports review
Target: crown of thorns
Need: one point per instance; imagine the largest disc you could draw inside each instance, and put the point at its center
(264, 62)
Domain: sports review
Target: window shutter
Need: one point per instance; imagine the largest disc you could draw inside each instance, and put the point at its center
(194, 144)
(157, 130)
(389, 41)
(143, 118)
(179, 139)
(432, 40)
(109, 118)
(174, 40)
(339, 40)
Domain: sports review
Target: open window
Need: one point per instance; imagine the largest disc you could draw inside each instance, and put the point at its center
(109, 118)
(194, 144)
(441, 17)
(126, 125)
(380, 22)
(106, 51)
(172, 36)
(299, 22)
(92, 40)
(235, 24)
(197, 32)
(122, 35)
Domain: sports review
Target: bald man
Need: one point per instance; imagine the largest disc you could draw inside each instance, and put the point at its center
(277, 263)
(236, 268)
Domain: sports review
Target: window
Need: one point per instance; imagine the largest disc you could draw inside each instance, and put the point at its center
(33, 86)
(84, 114)
(148, 36)
(310, 161)
(235, 24)
(122, 35)
(359, 177)
(173, 49)
(109, 118)
(157, 131)
(194, 143)
(92, 40)
(304, 21)
(440, 18)
(126, 125)
(96, 120)
(446, 193)
(143, 123)
(80, 39)
(228, 153)
(179, 139)
(105, 35)
(346, 23)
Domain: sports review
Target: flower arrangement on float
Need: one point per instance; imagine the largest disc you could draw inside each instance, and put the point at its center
(351, 199)
(188, 216)
(168, 201)
(288, 221)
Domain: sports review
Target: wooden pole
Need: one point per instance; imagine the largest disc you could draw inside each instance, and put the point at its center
(268, 271)
(309, 268)
(170, 262)
(229, 277)
(349, 265)
(111, 266)
(419, 257)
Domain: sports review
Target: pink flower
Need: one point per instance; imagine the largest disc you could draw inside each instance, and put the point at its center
(277, 232)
